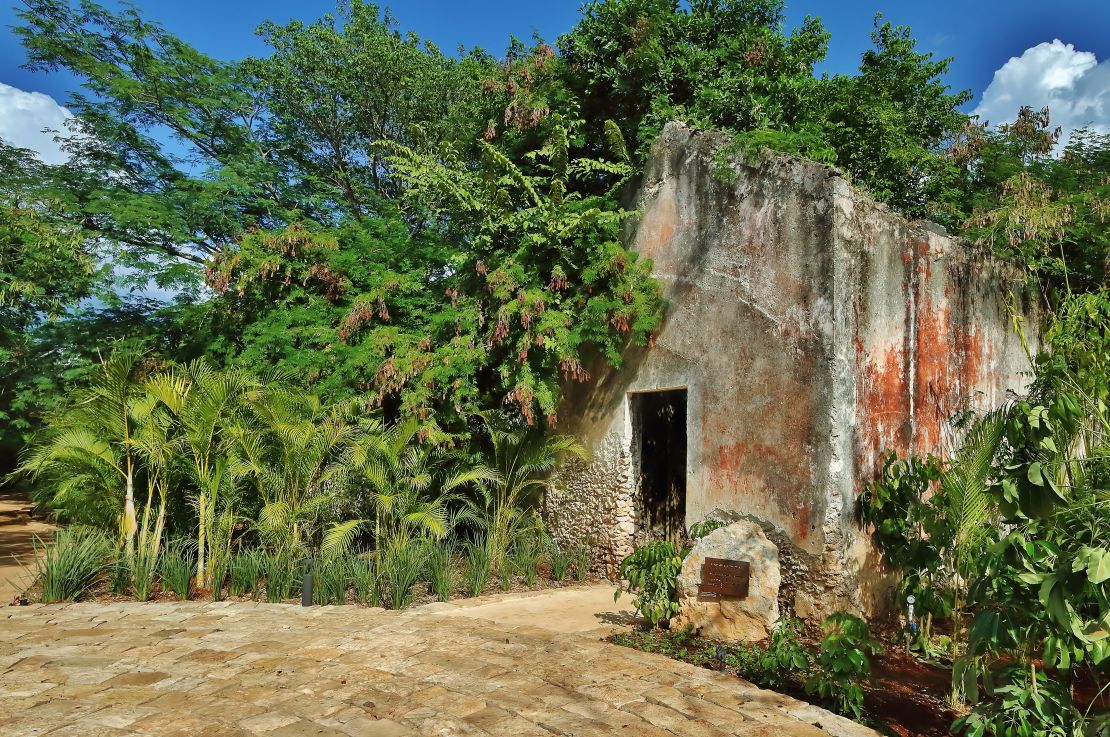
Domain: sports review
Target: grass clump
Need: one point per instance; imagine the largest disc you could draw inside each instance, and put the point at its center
(143, 571)
(245, 570)
(364, 579)
(477, 567)
(329, 581)
(580, 558)
(177, 568)
(402, 563)
(120, 569)
(440, 569)
(527, 554)
(279, 569)
(560, 563)
(69, 565)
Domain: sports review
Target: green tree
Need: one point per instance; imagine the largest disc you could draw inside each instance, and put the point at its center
(723, 63)
(892, 124)
(92, 452)
(518, 464)
(543, 280)
(206, 403)
(731, 64)
(1050, 213)
(299, 456)
(337, 88)
(159, 211)
(45, 268)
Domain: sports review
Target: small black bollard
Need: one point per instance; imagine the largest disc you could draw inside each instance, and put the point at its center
(306, 589)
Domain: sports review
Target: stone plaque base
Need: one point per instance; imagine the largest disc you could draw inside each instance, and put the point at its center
(731, 619)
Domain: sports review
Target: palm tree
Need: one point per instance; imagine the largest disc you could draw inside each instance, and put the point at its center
(410, 481)
(89, 452)
(517, 473)
(971, 513)
(205, 401)
(299, 455)
(153, 443)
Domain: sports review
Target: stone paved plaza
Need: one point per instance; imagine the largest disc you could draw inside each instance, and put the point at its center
(192, 669)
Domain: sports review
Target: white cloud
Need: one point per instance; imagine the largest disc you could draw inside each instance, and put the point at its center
(24, 115)
(1073, 84)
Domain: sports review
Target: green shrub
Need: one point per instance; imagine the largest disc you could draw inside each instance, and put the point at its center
(440, 569)
(786, 660)
(364, 579)
(526, 555)
(329, 585)
(279, 568)
(245, 570)
(177, 568)
(121, 575)
(402, 563)
(913, 531)
(143, 571)
(581, 556)
(69, 565)
(560, 563)
(1026, 701)
(706, 526)
(219, 551)
(218, 572)
(477, 567)
(842, 664)
(651, 572)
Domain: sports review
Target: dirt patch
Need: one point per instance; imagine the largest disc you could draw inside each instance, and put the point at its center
(18, 530)
(583, 609)
(907, 696)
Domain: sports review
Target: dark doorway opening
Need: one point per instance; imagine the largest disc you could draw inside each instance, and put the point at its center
(659, 422)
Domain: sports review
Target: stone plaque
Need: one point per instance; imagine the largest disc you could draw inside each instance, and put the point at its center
(724, 578)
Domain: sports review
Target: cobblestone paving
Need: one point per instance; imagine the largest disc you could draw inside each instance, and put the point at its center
(99, 670)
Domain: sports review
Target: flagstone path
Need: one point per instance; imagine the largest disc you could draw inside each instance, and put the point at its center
(195, 669)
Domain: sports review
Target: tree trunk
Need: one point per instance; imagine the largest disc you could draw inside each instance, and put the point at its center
(200, 542)
(130, 523)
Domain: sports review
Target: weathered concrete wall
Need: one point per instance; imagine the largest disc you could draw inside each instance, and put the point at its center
(813, 329)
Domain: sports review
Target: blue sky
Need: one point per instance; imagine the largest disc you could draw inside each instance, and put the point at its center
(1073, 76)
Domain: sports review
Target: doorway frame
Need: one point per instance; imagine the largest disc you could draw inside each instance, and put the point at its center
(641, 534)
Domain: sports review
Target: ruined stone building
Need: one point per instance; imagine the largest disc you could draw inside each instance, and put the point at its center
(808, 330)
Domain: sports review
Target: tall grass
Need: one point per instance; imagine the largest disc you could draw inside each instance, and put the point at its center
(581, 558)
(364, 578)
(560, 563)
(245, 570)
(330, 581)
(143, 570)
(69, 565)
(147, 549)
(440, 569)
(219, 552)
(218, 568)
(120, 570)
(279, 568)
(402, 563)
(526, 555)
(477, 567)
(177, 568)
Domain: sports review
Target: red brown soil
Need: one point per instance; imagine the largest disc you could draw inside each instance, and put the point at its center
(906, 696)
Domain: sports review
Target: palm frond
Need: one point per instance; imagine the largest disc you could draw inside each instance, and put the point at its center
(338, 539)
